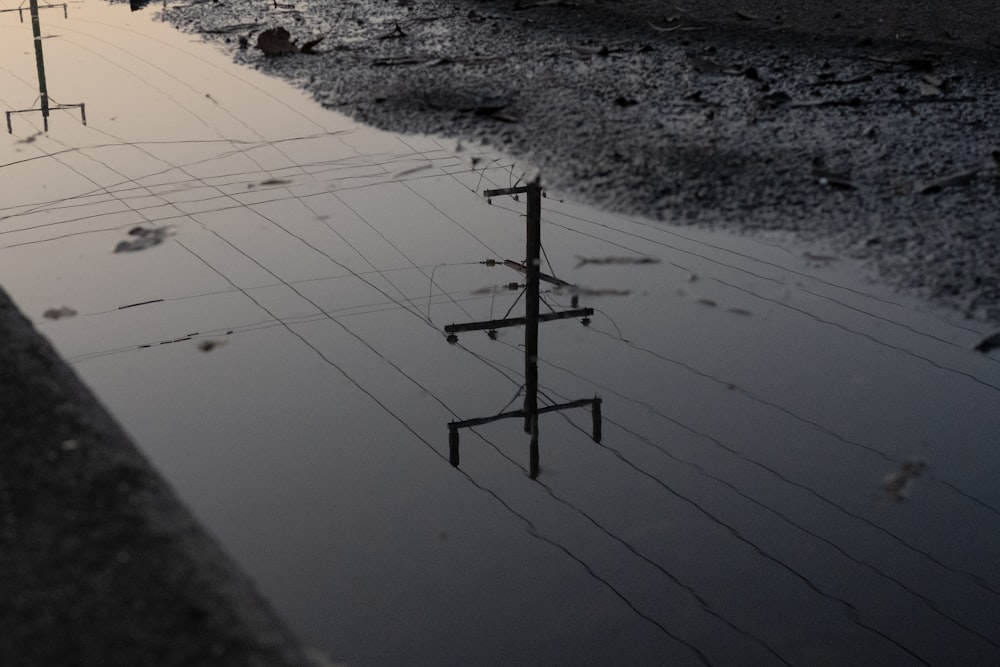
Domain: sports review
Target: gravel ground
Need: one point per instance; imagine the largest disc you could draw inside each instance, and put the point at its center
(868, 126)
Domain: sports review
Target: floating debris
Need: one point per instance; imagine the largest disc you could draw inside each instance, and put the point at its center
(57, 313)
(896, 484)
(275, 181)
(144, 238)
(605, 261)
(209, 345)
(989, 343)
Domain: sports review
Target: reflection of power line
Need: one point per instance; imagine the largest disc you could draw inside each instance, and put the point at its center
(775, 301)
(852, 611)
(588, 568)
(532, 529)
(597, 577)
(155, 190)
(43, 91)
(973, 578)
(530, 321)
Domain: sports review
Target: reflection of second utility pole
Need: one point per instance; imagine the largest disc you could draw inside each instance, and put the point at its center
(43, 92)
(533, 277)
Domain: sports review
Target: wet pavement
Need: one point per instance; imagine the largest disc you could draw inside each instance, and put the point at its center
(797, 463)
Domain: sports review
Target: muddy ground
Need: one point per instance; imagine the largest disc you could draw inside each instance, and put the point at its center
(869, 127)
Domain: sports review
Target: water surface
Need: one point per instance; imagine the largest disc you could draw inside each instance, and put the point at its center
(274, 342)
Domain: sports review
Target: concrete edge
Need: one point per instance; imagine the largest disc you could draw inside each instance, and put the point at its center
(100, 562)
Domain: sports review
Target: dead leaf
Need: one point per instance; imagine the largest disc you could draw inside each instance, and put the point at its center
(774, 100)
(676, 26)
(397, 33)
(309, 48)
(927, 90)
(833, 179)
(706, 65)
(276, 42)
(591, 51)
(401, 60)
(938, 184)
(498, 112)
(933, 80)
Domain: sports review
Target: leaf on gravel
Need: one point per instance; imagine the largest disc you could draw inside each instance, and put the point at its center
(402, 60)
(833, 179)
(706, 65)
(675, 25)
(309, 48)
(586, 52)
(774, 100)
(276, 42)
(397, 33)
(497, 113)
(938, 184)
(931, 85)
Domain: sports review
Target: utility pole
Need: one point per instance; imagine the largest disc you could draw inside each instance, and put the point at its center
(531, 268)
(43, 92)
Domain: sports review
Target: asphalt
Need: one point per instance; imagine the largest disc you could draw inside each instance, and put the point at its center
(696, 110)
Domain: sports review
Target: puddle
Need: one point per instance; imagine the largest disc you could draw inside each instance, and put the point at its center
(796, 466)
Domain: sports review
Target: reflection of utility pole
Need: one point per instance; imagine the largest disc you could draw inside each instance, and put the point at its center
(43, 92)
(533, 276)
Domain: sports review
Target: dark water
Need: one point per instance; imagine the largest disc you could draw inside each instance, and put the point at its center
(274, 341)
